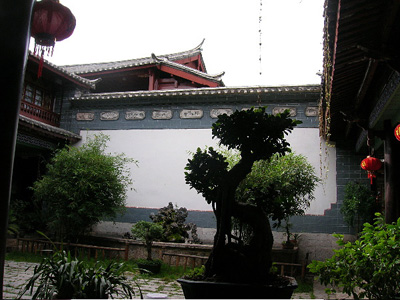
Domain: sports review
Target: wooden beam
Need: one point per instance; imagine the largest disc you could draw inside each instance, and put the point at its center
(152, 80)
(188, 76)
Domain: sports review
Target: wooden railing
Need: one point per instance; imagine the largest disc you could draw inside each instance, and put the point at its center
(79, 250)
(38, 113)
(185, 257)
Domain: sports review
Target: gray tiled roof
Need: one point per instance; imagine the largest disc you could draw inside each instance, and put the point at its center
(88, 82)
(115, 65)
(199, 91)
(56, 130)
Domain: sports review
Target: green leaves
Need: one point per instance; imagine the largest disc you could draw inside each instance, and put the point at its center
(205, 172)
(359, 205)
(63, 277)
(82, 185)
(291, 175)
(254, 132)
(369, 267)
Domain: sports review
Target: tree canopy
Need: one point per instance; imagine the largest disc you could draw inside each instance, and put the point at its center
(257, 135)
(82, 186)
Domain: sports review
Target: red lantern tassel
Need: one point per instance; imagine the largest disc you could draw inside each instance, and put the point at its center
(40, 69)
(371, 176)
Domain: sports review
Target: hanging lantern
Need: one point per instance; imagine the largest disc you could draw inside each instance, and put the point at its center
(397, 132)
(51, 22)
(371, 164)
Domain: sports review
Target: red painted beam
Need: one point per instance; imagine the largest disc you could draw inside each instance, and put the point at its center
(188, 76)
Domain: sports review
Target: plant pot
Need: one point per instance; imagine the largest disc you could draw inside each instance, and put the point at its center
(287, 245)
(151, 267)
(223, 290)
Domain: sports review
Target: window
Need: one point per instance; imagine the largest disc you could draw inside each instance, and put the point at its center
(38, 96)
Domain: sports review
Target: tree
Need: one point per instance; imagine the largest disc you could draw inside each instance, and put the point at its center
(147, 232)
(257, 136)
(82, 186)
(291, 176)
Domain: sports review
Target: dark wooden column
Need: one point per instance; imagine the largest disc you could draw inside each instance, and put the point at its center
(15, 17)
(392, 174)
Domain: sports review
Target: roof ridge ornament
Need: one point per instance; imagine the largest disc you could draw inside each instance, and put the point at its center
(200, 45)
(158, 59)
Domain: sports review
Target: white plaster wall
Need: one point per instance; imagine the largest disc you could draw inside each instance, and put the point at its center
(306, 141)
(163, 154)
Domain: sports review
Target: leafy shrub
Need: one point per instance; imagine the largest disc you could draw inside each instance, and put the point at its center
(82, 186)
(369, 267)
(359, 205)
(196, 273)
(63, 277)
(147, 232)
(173, 219)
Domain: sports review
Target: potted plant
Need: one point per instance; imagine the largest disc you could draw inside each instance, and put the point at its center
(148, 232)
(288, 243)
(239, 264)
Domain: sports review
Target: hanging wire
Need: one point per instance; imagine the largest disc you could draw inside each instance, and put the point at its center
(260, 49)
(260, 35)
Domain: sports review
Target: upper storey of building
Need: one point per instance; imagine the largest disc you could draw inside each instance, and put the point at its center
(181, 70)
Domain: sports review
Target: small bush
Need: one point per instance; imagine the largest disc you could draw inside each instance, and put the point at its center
(63, 277)
(82, 186)
(173, 219)
(369, 267)
(359, 205)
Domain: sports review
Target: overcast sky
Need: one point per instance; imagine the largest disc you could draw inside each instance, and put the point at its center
(291, 32)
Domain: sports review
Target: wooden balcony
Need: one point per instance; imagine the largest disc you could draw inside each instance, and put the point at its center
(38, 113)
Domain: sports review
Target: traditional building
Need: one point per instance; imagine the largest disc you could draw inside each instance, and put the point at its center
(360, 104)
(39, 131)
(158, 110)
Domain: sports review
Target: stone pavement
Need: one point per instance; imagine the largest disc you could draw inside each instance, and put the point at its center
(17, 273)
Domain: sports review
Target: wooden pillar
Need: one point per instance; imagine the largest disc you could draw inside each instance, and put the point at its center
(14, 35)
(392, 174)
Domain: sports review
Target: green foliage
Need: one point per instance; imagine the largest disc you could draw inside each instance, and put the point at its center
(205, 172)
(147, 232)
(256, 135)
(359, 205)
(196, 273)
(82, 186)
(173, 219)
(369, 267)
(13, 227)
(291, 175)
(63, 277)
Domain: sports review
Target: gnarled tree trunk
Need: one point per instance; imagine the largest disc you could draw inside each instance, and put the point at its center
(231, 261)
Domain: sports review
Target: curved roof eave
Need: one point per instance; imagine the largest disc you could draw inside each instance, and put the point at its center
(122, 64)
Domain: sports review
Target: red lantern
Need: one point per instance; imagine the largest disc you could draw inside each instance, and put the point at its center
(397, 132)
(51, 22)
(371, 164)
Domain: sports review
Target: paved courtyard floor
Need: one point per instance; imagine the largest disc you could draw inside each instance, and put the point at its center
(17, 273)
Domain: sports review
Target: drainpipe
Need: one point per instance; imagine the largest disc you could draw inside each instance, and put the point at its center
(15, 19)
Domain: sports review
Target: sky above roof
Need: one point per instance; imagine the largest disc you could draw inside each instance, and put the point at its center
(291, 36)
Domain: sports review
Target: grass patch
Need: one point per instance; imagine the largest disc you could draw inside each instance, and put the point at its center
(24, 257)
(167, 273)
(304, 286)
